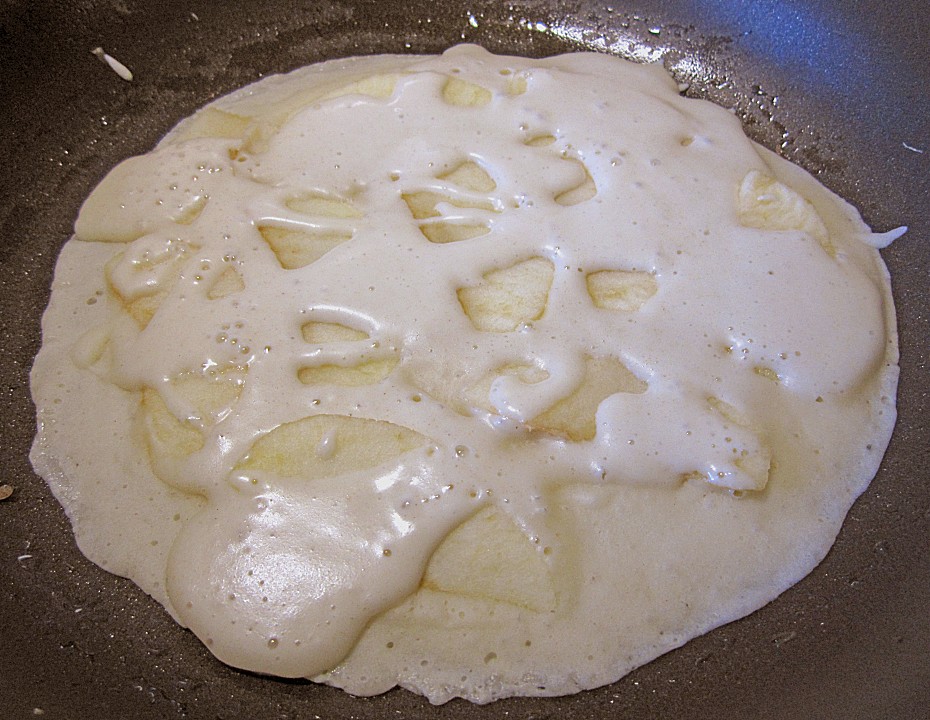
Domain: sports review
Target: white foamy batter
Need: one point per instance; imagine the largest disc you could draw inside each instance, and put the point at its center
(768, 350)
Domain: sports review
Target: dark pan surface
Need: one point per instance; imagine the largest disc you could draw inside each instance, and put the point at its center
(839, 87)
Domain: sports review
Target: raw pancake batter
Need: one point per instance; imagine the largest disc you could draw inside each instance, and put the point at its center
(479, 375)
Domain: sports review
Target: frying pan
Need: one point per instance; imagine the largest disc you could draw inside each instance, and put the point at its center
(837, 87)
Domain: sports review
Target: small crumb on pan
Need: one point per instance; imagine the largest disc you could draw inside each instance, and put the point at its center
(117, 67)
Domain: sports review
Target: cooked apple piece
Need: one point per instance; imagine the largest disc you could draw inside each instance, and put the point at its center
(624, 290)
(210, 394)
(490, 557)
(449, 232)
(329, 332)
(539, 140)
(376, 86)
(479, 395)
(327, 445)
(756, 458)
(273, 118)
(509, 297)
(574, 417)
(423, 203)
(142, 277)
(766, 372)
(298, 248)
(582, 191)
(213, 123)
(165, 435)
(228, 283)
(323, 206)
(768, 204)
(465, 94)
(467, 176)
(518, 85)
(367, 372)
(90, 347)
(470, 176)
(190, 211)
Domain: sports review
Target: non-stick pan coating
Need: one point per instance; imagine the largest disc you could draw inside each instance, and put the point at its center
(839, 87)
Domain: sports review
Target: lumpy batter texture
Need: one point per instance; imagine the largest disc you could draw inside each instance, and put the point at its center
(482, 376)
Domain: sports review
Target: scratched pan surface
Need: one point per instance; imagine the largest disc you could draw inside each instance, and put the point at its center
(838, 87)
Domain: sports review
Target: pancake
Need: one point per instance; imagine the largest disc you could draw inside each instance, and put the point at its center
(482, 376)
